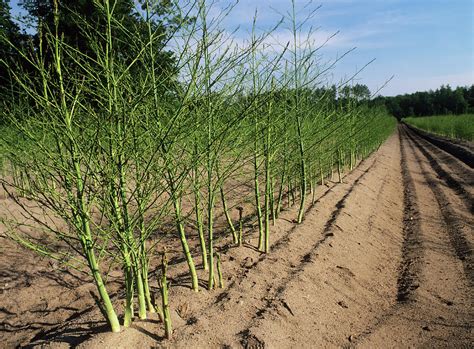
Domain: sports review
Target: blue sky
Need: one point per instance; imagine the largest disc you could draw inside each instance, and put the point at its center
(423, 43)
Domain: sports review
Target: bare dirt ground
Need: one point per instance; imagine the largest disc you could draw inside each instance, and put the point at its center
(381, 260)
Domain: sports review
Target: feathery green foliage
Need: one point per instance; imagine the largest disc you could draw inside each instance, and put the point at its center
(110, 145)
(452, 126)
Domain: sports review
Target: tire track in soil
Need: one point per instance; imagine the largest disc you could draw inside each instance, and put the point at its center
(454, 224)
(411, 261)
(247, 339)
(450, 181)
(408, 278)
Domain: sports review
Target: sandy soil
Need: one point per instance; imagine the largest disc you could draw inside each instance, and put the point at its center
(381, 260)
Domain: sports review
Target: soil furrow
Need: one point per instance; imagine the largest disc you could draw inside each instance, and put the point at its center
(456, 185)
(461, 152)
(281, 242)
(410, 266)
(437, 313)
(450, 163)
(454, 224)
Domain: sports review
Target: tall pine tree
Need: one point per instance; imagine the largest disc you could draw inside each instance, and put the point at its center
(9, 33)
(82, 23)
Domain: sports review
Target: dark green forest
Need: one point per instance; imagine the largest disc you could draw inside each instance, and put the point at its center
(443, 101)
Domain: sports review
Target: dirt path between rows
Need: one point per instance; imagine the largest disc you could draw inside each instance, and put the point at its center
(381, 260)
(434, 307)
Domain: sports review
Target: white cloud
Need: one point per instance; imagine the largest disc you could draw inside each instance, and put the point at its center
(372, 31)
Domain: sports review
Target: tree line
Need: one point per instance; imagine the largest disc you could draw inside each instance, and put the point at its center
(443, 101)
(79, 15)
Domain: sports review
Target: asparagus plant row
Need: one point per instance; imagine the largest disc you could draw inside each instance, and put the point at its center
(115, 149)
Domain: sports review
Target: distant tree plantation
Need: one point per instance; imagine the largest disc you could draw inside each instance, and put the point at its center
(442, 101)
